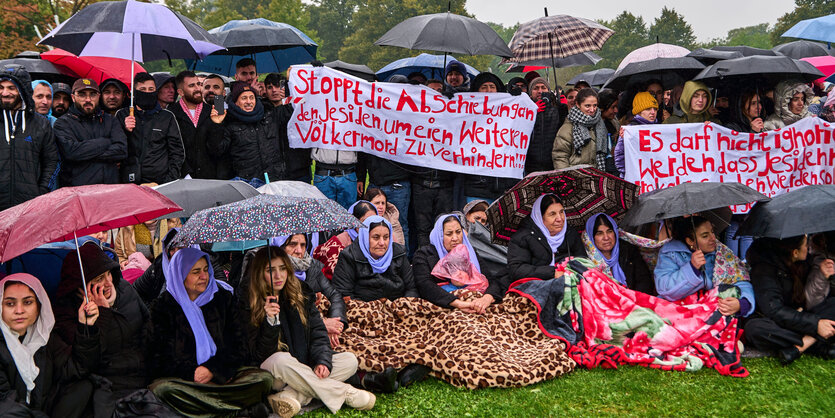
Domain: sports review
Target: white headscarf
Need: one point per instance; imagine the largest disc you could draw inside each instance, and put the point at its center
(37, 335)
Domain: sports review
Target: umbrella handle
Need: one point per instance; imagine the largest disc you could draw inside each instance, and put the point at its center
(81, 268)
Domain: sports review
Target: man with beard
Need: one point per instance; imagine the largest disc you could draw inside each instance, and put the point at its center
(61, 99)
(245, 71)
(91, 143)
(42, 97)
(166, 90)
(113, 95)
(296, 160)
(28, 157)
(196, 126)
(155, 149)
(213, 85)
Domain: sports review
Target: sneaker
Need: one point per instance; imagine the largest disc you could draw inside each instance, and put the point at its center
(284, 406)
(360, 400)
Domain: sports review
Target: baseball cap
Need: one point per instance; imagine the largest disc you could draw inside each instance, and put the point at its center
(84, 84)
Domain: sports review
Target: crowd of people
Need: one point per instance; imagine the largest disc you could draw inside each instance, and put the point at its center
(186, 330)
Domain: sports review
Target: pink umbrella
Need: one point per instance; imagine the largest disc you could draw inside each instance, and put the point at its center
(96, 68)
(656, 50)
(826, 64)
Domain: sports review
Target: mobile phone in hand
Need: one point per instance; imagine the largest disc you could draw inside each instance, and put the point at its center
(219, 105)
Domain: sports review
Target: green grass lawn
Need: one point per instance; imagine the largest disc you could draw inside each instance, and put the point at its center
(806, 388)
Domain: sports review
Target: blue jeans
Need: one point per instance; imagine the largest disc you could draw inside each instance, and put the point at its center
(342, 189)
(400, 194)
(738, 245)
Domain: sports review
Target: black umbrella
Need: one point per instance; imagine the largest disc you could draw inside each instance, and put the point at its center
(686, 199)
(448, 33)
(747, 51)
(242, 37)
(594, 78)
(806, 210)
(356, 70)
(803, 49)
(38, 68)
(583, 58)
(758, 70)
(710, 56)
(194, 194)
(670, 71)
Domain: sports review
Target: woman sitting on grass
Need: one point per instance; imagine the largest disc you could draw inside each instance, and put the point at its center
(623, 260)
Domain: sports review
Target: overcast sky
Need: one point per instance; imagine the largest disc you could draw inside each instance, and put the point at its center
(709, 18)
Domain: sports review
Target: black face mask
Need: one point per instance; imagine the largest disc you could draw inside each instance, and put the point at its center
(145, 100)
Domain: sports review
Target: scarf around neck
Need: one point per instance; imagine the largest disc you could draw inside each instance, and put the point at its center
(554, 241)
(612, 262)
(193, 118)
(378, 265)
(247, 117)
(581, 134)
(436, 238)
(300, 265)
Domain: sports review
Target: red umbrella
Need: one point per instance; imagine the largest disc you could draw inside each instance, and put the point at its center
(824, 63)
(96, 68)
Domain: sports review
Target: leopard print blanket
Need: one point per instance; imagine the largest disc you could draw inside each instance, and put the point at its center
(502, 348)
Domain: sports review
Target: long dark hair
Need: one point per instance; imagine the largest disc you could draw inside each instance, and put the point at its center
(783, 249)
(362, 208)
(259, 288)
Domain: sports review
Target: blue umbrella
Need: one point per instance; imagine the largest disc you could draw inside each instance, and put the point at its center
(431, 66)
(274, 46)
(817, 29)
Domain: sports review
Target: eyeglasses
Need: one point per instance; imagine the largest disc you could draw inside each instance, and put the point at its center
(87, 94)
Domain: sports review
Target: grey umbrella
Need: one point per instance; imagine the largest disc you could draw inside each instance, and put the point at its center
(804, 49)
(670, 71)
(758, 70)
(710, 56)
(196, 194)
(594, 78)
(448, 33)
(356, 70)
(38, 68)
(583, 58)
(747, 51)
(803, 211)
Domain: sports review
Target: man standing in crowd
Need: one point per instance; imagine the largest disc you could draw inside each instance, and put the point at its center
(245, 71)
(296, 160)
(114, 93)
(28, 157)
(155, 149)
(212, 86)
(61, 99)
(166, 90)
(549, 118)
(91, 143)
(42, 96)
(196, 126)
(336, 174)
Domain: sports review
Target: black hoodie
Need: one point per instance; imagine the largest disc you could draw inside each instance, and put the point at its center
(91, 147)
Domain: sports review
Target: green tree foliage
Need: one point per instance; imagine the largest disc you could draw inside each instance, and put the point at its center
(804, 9)
(671, 28)
(332, 20)
(630, 34)
(18, 19)
(757, 36)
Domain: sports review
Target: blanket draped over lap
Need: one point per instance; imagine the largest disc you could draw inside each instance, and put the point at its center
(607, 324)
(502, 348)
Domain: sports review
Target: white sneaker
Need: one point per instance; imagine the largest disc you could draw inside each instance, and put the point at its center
(360, 400)
(284, 406)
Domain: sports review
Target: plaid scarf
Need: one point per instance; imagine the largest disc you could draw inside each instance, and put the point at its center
(194, 118)
(581, 133)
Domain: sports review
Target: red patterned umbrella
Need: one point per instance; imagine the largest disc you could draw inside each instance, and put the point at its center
(584, 191)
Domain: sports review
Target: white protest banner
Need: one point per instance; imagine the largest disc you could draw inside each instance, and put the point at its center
(472, 133)
(771, 162)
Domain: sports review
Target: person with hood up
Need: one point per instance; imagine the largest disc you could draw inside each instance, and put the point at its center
(155, 147)
(542, 241)
(166, 90)
(198, 346)
(517, 83)
(33, 361)
(92, 144)
(583, 138)
(694, 105)
(121, 322)
(791, 104)
(114, 94)
(456, 78)
(549, 118)
(644, 112)
(288, 338)
(28, 155)
(42, 97)
(61, 99)
(249, 138)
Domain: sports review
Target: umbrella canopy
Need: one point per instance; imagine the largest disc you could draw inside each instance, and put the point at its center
(292, 188)
(356, 70)
(263, 217)
(747, 51)
(826, 64)
(758, 69)
(274, 61)
(803, 49)
(584, 58)
(688, 198)
(670, 71)
(75, 211)
(656, 50)
(96, 68)
(802, 211)
(584, 191)
(711, 56)
(446, 32)
(817, 29)
(594, 78)
(39, 69)
(197, 194)
(556, 36)
(431, 66)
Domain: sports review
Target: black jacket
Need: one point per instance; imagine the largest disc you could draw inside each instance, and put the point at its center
(638, 276)
(90, 147)
(487, 187)
(381, 171)
(529, 255)
(155, 147)
(29, 161)
(152, 282)
(424, 261)
(548, 122)
(318, 283)
(252, 147)
(773, 284)
(56, 361)
(308, 344)
(296, 160)
(171, 341)
(354, 278)
(199, 162)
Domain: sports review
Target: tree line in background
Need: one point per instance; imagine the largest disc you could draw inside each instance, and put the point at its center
(347, 29)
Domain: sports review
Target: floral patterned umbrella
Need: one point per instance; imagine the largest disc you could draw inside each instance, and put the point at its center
(584, 191)
(263, 217)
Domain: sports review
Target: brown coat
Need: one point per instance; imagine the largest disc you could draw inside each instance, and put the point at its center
(563, 153)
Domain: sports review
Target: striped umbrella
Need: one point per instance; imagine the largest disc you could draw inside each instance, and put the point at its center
(556, 37)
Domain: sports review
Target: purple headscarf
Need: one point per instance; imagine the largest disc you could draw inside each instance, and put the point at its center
(436, 238)
(279, 242)
(612, 262)
(353, 232)
(378, 265)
